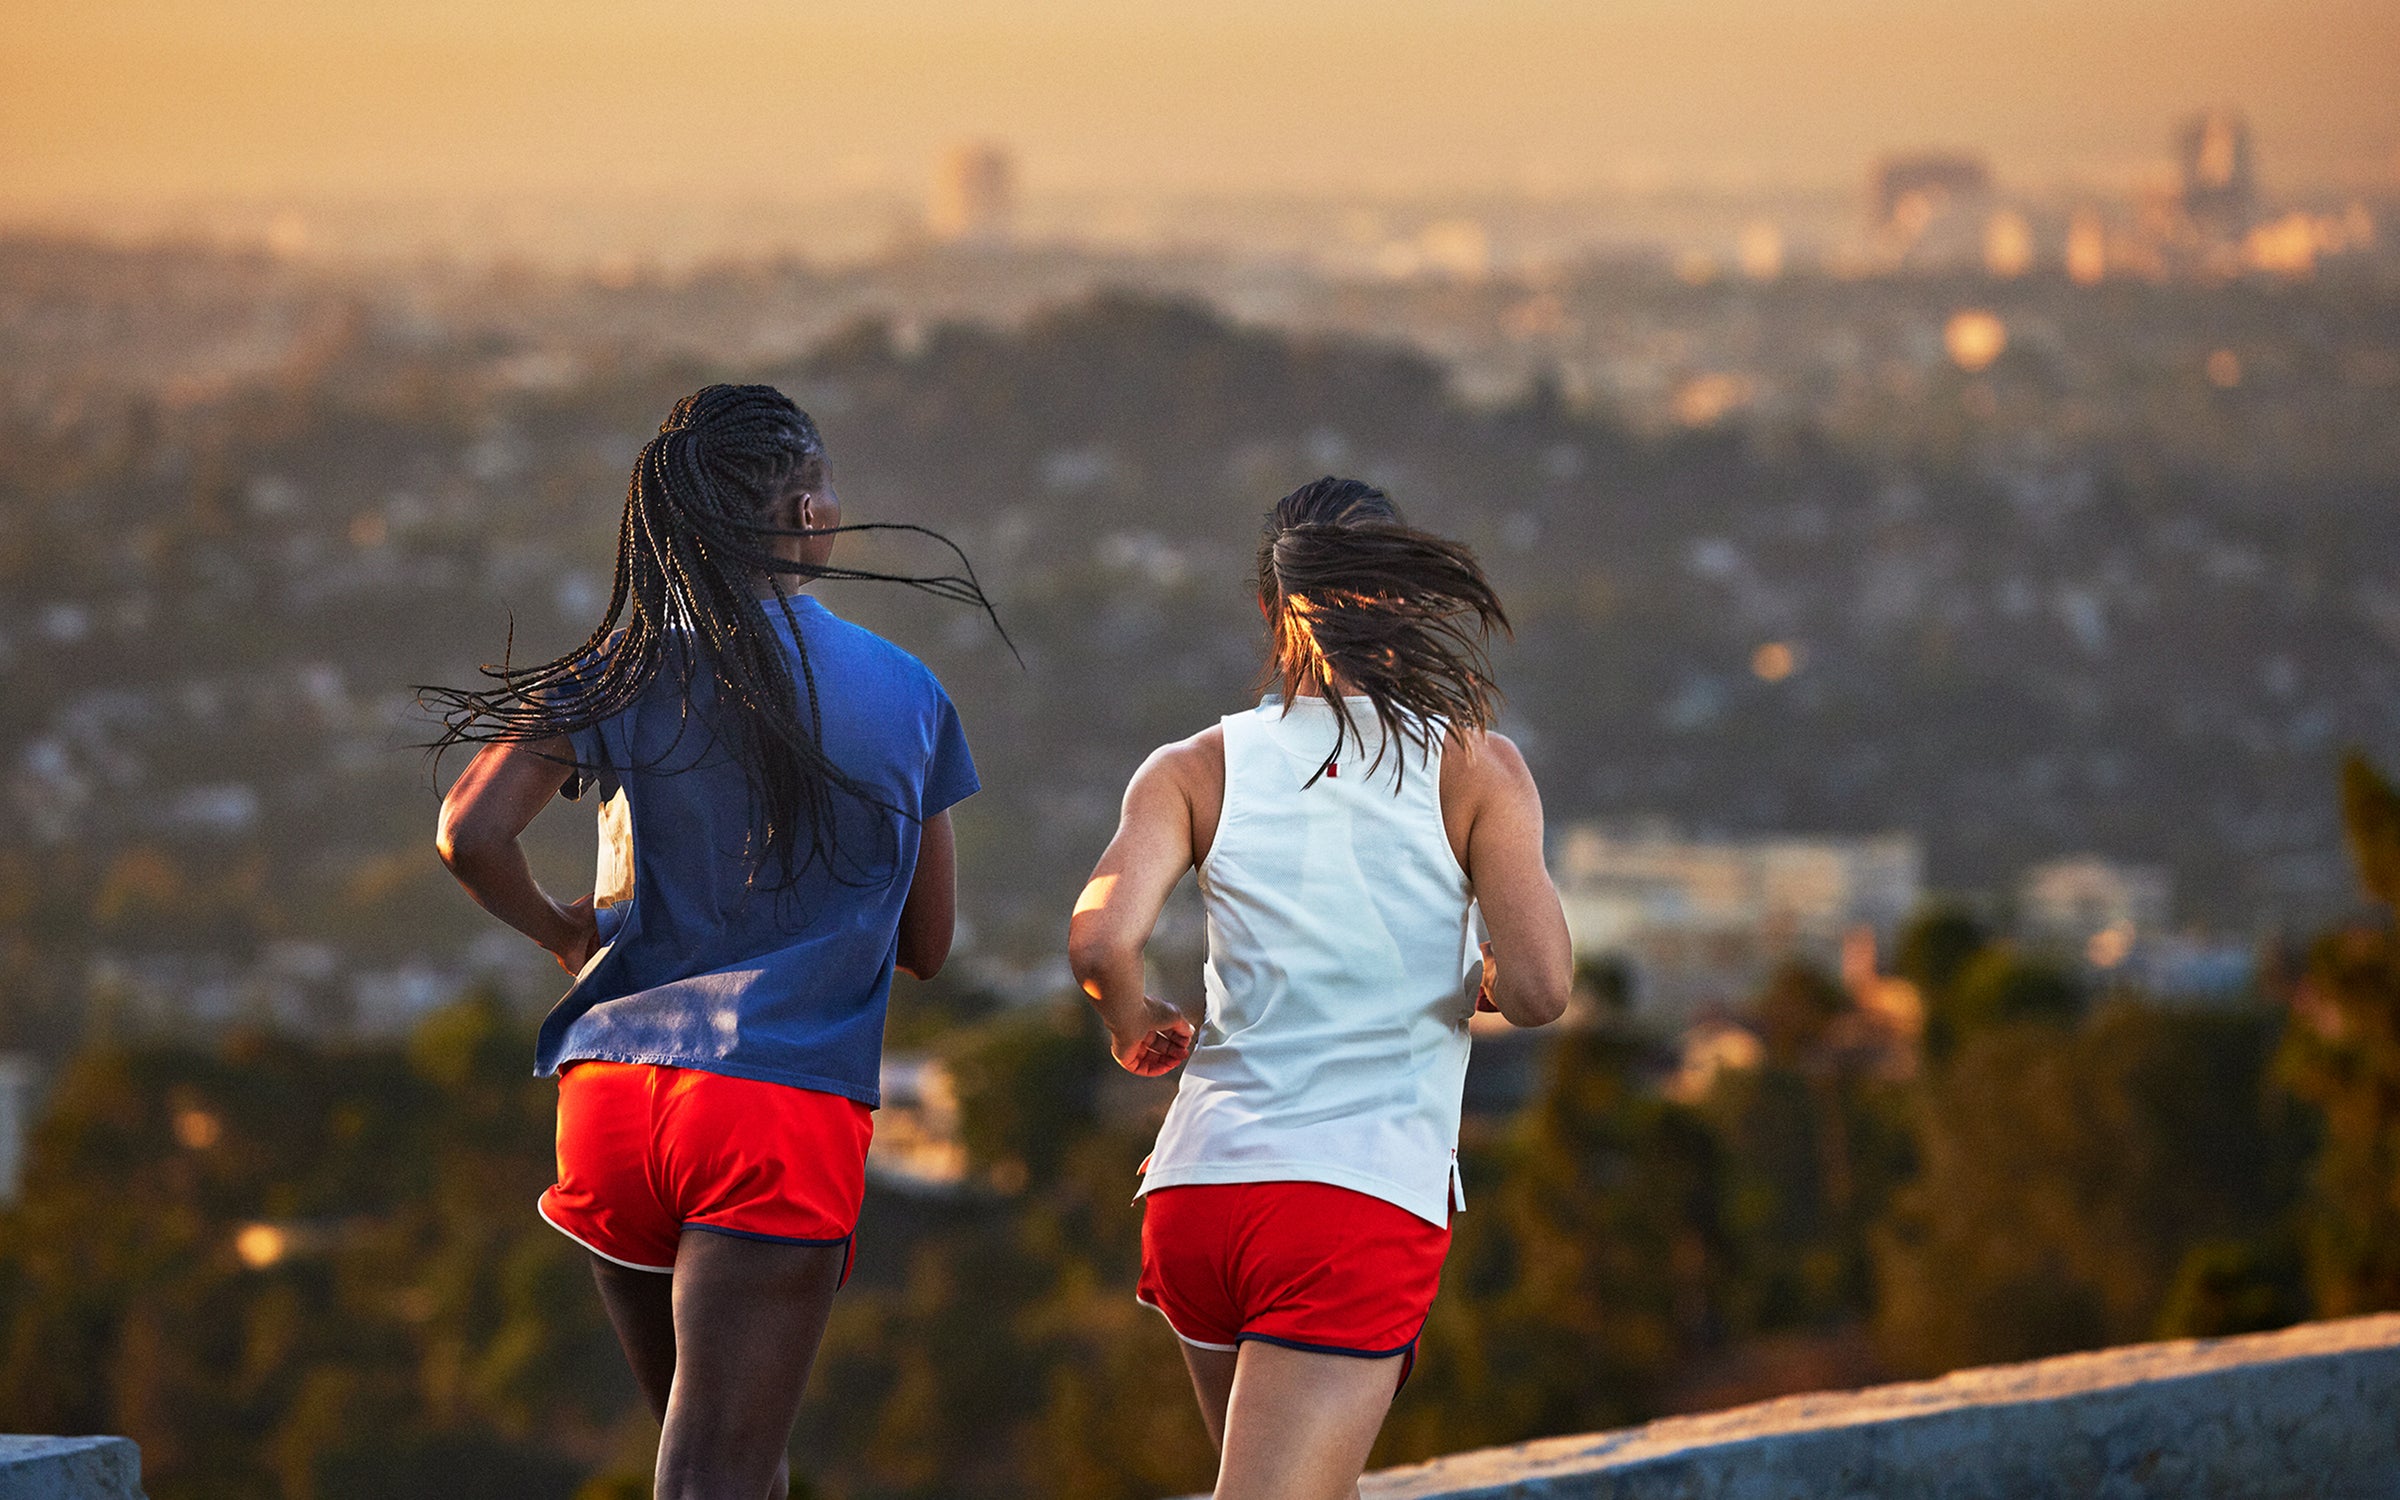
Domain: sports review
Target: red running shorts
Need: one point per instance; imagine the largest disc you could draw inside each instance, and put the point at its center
(1301, 1264)
(647, 1152)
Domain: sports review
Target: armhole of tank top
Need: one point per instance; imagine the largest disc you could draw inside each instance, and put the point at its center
(1440, 755)
(1216, 839)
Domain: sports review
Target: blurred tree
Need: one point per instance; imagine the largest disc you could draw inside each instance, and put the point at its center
(2342, 1054)
(1936, 946)
(2225, 1287)
(924, 1013)
(2066, 1177)
(1586, 1267)
(1028, 1089)
(2002, 984)
(1813, 1145)
(2371, 817)
(1007, 1355)
(1795, 1010)
(1608, 981)
(309, 1272)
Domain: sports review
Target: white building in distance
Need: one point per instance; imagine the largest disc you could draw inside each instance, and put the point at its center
(1702, 921)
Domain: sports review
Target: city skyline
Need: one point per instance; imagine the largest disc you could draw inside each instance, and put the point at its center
(147, 103)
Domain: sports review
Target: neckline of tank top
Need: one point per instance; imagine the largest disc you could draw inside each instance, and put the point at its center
(1275, 700)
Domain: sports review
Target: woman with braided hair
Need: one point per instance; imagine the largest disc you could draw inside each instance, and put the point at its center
(777, 781)
(1296, 1210)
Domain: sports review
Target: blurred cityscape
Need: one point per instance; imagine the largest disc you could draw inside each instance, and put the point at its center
(2002, 532)
(1935, 604)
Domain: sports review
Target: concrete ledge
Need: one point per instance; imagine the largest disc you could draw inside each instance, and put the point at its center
(69, 1468)
(2312, 1411)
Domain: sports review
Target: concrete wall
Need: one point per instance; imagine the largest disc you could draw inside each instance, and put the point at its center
(83, 1468)
(2312, 1411)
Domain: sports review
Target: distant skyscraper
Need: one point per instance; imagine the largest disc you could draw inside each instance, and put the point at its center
(2212, 151)
(974, 194)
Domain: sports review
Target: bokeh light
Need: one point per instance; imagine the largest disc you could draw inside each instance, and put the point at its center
(1975, 338)
(2008, 245)
(197, 1129)
(2110, 946)
(261, 1245)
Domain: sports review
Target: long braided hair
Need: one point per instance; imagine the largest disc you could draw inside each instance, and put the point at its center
(1356, 596)
(693, 550)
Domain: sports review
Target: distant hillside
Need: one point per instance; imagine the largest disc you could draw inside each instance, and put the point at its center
(2014, 660)
(212, 596)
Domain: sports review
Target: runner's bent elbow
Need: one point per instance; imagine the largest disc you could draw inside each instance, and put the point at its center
(461, 839)
(1096, 945)
(1539, 1008)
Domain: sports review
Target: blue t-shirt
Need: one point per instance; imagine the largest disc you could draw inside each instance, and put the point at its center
(704, 967)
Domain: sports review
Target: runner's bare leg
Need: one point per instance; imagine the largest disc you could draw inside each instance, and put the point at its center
(725, 1367)
(1290, 1424)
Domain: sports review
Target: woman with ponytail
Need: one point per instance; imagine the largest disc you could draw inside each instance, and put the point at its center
(776, 842)
(1345, 831)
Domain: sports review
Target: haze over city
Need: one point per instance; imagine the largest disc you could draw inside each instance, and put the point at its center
(136, 105)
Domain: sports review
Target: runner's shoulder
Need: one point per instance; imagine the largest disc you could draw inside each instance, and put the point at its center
(1187, 766)
(1483, 761)
(886, 659)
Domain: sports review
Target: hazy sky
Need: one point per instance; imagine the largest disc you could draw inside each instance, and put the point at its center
(131, 101)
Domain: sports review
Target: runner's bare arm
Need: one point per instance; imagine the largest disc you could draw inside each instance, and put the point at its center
(1527, 963)
(1120, 905)
(930, 915)
(485, 811)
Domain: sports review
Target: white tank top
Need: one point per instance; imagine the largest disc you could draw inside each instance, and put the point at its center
(1339, 937)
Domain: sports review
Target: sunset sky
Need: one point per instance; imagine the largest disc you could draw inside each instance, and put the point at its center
(129, 101)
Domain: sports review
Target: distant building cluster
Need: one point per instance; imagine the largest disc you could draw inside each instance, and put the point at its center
(1698, 928)
(1702, 922)
(1941, 210)
(2205, 217)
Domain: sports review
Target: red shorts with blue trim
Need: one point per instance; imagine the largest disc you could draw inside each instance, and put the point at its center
(1303, 1264)
(647, 1152)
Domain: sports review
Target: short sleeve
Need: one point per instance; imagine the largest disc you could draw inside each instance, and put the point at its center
(587, 771)
(950, 774)
(589, 744)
